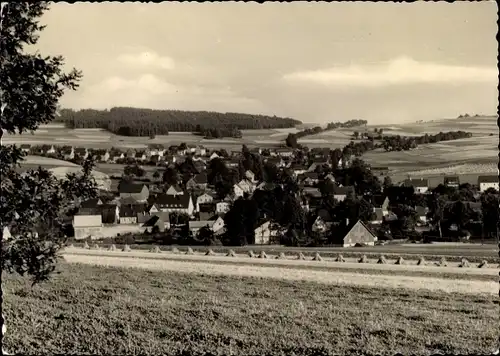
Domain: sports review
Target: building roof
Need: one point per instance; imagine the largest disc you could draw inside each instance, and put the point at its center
(451, 179)
(200, 224)
(363, 225)
(91, 203)
(89, 211)
(173, 201)
(129, 211)
(376, 199)
(487, 179)
(342, 190)
(201, 178)
(130, 188)
(416, 182)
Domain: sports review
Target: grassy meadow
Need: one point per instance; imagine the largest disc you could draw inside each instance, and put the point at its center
(106, 310)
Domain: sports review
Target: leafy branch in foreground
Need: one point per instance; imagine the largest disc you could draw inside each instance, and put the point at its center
(33, 204)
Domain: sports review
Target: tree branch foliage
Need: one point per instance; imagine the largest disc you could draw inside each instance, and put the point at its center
(33, 204)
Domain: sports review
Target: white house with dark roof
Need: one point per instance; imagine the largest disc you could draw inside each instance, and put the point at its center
(487, 182)
(420, 185)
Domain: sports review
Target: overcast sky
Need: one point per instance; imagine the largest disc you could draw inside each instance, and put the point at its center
(316, 62)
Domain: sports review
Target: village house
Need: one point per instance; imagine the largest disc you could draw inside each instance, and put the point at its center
(232, 162)
(149, 211)
(25, 148)
(49, 149)
(87, 222)
(174, 190)
(330, 177)
(199, 181)
(359, 233)
(263, 234)
(181, 203)
(102, 155)
(196, 226)
(422, 213)
(67, 152)
(308, 179)
(246, 186)
(81, 152)
(451, 181)
(276, 161)
(110, 213)
(129, 214)
(218, 224)
(222, 207)
(341, 193)
(319, 225)
(380, 204)
(207, 211)
(284, 152)
(155, 223)
(250, 176)
(315, 165)
(203, 199)
(298, 169)
(140, 156)
(238, 191)
(487, 182)
(420, 185)
(138, 192)
(115, 156)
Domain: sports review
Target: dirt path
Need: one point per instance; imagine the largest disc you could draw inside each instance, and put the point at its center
(336, 278)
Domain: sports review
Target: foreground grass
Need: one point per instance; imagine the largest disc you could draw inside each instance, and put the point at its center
(97, 310)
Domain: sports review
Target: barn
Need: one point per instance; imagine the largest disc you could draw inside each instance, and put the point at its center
(359, 233)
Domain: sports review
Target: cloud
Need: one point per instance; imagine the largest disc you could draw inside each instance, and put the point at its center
(400, 71)
(147, 59)
(146, 83)
(150, 91)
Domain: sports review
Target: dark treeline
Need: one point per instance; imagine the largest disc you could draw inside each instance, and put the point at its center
(148, 122)
(291, 140)
(404, 143)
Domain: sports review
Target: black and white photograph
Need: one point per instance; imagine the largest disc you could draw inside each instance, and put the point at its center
(249, 178)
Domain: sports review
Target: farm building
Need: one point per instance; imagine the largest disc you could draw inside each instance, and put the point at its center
(420, 185)
(129, 213)
(451, 181)
(87, 223)
(175, 203)
(487, 182)
(138, 192)
(359, 233)
(158, 222)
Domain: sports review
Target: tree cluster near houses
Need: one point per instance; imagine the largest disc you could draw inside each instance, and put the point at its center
(148, 122)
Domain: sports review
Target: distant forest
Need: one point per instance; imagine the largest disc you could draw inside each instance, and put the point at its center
(148, 122)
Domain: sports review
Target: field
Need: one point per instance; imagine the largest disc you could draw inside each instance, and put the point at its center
(467, 157)
(150, 309)
(98, 138)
